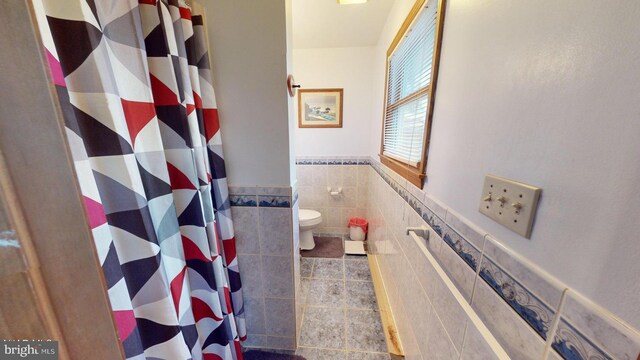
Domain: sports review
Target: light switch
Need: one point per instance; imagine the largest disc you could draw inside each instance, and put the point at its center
(510, 203)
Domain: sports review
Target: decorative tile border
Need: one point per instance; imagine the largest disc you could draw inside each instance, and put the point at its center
(332, 161)
(594, 330)
(572, 345)
(536, 313)
(243, 200)
(434, 221)
(253, 196)
(274, 201)
(462, 247)
(567, 341)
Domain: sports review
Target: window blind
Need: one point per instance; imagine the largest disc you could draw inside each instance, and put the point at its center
(408, 88)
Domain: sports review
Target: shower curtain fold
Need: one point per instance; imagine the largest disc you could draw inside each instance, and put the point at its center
(134, 83)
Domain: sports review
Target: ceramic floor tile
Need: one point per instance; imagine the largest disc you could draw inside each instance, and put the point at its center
(323, 328)
(328, 269)
(360, 295)
(326, 292)
(321, 354)
(357, 355)
(306, 265)
(357, 270)
(304, 289)
(364, 331)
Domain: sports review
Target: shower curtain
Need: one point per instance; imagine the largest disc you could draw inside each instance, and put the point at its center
(134, 83)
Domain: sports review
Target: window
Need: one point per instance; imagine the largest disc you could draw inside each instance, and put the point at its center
(412, 68)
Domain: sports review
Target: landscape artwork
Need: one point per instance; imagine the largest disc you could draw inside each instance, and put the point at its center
(318, 108)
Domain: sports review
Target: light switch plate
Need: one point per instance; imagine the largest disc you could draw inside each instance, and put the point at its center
(510, 203)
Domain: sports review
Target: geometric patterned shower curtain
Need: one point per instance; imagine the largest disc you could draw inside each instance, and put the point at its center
(134, 83)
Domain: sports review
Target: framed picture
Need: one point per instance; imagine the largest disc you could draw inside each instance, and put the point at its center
(320, 108)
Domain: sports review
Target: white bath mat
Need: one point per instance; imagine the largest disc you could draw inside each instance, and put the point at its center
(354, 247)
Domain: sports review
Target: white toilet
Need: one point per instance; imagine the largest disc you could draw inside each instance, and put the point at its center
(309, 220)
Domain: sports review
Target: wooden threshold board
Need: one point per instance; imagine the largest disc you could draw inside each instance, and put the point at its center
(394, 345)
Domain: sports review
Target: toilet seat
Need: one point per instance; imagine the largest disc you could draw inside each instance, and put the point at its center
(309, 217)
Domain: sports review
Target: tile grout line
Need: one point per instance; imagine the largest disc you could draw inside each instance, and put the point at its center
(345, 308)
(262, 273)
(344, 301)
(304, 305)
(485, 236)
(335, 349)
(335, 279)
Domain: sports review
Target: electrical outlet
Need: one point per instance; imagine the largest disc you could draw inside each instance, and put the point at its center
(510, 203)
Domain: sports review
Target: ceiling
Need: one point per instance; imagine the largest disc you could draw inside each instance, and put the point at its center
(326, 24)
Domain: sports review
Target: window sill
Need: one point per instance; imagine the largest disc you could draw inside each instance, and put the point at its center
(412, 174)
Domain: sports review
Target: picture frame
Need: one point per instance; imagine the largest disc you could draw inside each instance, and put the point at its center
(320, 108)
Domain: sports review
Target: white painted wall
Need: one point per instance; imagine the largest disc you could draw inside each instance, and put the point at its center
(292, 119)
(348, 68)
(545, 92)
(248, 41)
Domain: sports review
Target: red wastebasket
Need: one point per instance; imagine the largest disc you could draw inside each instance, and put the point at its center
(358, 228)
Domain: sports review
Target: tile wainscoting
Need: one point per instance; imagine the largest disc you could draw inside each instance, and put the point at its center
(315, 175)
(530, 313)
(267, 233)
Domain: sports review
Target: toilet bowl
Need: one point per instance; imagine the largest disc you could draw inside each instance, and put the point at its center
(309, 220)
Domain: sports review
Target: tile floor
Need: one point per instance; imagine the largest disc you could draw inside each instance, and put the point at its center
(340, 318)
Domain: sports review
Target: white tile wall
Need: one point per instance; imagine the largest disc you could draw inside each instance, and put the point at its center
(313, 181)
(517, 301)
(513, 333)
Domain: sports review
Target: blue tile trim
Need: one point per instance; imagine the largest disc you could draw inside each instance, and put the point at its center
(243, 200)
(570, 344)
(469, 253)
(332, 161)
(274, 201)
(433, 220)
(535, 312)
